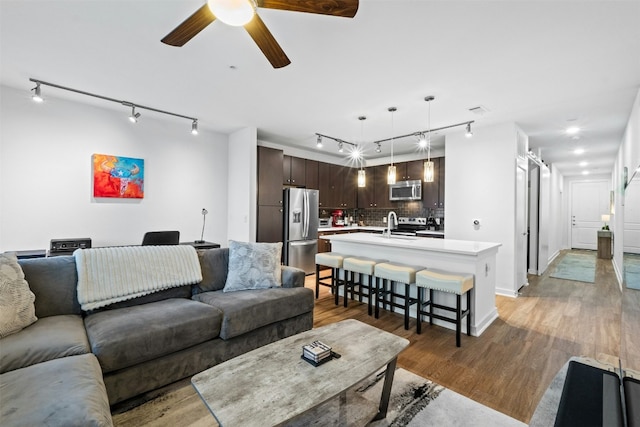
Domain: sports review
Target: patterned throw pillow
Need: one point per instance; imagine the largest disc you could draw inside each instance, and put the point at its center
(253, 266)
(17, 310)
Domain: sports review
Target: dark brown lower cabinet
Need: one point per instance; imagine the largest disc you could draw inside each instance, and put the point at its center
(270, 223)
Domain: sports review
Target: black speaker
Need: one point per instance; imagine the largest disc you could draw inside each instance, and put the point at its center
(67, 246)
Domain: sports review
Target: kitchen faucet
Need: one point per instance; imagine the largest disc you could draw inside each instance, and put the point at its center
(389, 225)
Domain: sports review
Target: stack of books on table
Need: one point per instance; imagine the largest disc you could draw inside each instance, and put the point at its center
(316, 352)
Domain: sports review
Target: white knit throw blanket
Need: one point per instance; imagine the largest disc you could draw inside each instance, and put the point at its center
(109, 275)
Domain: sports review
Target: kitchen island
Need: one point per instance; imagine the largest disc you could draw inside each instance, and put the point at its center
(461, 256)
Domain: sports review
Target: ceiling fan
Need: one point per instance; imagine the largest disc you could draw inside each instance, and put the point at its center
(244, 13)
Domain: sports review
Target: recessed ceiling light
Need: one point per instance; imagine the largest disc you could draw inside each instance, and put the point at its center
(572, 130)
(583, 164)
(585, 172)
(578, 151)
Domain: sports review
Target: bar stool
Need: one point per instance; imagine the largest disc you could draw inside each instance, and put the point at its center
(362, 266)
(445, 281)
(395, 273)
(334, 261)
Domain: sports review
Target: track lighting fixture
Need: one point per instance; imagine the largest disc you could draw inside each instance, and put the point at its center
(134, 115)
(422, 140)
(133, 118)
(36, 93)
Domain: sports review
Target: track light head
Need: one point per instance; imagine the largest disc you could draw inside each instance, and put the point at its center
(422, 141)
(319, 142)
(340, 147)
(378, 148)
(36, 94)
(133, 118)
(468, 132)
(194, 127)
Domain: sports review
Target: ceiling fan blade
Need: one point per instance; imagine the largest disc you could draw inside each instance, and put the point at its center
(190, 27)
(344, 8)
(266, 42)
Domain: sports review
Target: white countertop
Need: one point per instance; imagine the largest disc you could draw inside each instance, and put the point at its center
(463, 247)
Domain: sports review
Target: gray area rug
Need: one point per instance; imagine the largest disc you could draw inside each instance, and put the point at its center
(580, 267)
(414, 401)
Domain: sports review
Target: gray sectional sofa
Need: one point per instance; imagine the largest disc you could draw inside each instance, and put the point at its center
(69, 366)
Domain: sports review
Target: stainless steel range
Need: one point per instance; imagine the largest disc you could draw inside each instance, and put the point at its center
(407, 226)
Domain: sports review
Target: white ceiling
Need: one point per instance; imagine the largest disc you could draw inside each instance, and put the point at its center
(544, 65)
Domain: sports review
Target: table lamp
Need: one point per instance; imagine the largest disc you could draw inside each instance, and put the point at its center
(605, 219)
(204, 217)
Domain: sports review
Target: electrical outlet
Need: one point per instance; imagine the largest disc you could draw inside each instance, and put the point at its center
(384, 219)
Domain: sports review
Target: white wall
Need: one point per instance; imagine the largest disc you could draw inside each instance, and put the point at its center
(46, 181)
(629, 157)
(242, 198)
(480, 183)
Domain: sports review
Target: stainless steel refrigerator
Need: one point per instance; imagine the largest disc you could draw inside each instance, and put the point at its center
(300, 228)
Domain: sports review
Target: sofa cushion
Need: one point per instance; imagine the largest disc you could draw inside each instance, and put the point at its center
(16, 299)
(128, 336)
(49, 338)
(244, 311)
(61, 392)
(253, 266)
(214, 264)
(54, 282)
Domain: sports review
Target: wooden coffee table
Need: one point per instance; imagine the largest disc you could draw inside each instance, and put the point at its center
(273, 385)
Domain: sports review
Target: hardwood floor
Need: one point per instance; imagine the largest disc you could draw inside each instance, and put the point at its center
(511, 364)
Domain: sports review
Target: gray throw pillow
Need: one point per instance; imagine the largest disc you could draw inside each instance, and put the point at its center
(253, 266)
(17, 309)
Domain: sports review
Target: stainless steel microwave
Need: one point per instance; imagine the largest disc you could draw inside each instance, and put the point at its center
(406, 190)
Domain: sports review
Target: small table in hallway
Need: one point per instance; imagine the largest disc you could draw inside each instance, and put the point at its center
(273, 385)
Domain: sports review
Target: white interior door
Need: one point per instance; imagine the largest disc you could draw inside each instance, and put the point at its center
(589, 201)
(521, 227)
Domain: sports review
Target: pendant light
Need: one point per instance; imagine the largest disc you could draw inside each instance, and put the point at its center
(429, 169)
(362, 174)
(391, 171)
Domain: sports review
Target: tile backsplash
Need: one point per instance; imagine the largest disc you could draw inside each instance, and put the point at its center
(372, 216)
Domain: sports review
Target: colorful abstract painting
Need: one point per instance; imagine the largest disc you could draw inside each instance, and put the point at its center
(115, 176)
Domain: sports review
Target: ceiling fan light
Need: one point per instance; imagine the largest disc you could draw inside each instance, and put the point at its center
(233, 12)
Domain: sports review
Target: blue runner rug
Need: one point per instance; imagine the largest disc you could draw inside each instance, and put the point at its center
(632, 270)
(580, 267)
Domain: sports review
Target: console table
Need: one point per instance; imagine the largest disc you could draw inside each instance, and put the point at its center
(604, 244)
(202, 245)
(42, 253)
